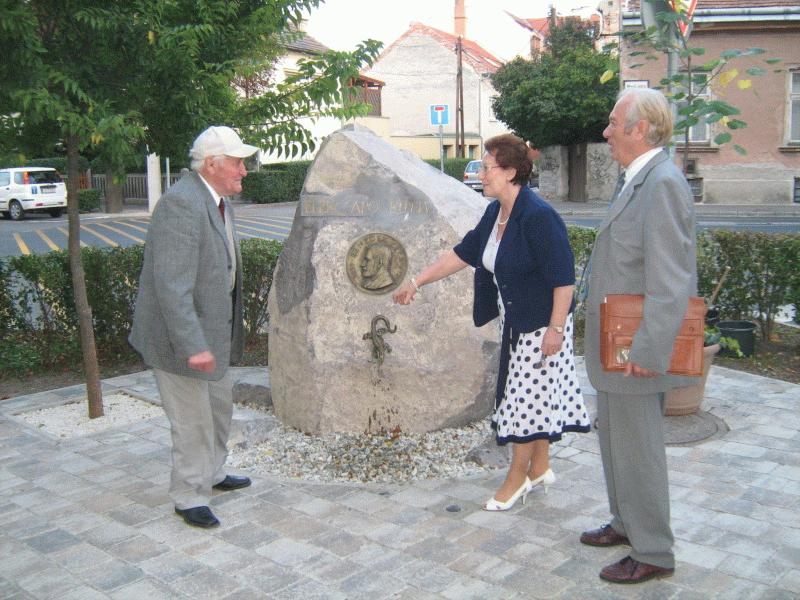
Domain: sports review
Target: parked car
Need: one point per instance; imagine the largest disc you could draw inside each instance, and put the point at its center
(31, 189)
(471, 175)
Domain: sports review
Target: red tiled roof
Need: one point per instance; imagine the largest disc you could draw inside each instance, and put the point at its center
(633, 5)
(479, 58)
(541, 26)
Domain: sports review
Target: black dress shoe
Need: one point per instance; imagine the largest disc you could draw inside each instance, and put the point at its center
(233, 482)
(199, 516)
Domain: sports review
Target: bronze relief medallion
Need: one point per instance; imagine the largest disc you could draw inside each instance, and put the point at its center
(376, 263)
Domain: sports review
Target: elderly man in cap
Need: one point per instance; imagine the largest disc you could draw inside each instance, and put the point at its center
(188, 320)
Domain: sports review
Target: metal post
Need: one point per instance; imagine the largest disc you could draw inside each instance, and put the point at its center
(441, 148)
(672, 69)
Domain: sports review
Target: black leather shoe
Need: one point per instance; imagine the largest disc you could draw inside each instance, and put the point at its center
(233, 482)
(199, 516)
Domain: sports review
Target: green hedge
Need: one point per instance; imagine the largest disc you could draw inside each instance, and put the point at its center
(763, 276)
(283, 182)
(89, 200)
(56, 162)
(452, 166)
(38, 323)
(279, 182)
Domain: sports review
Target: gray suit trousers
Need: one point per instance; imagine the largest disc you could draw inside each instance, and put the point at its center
(630, 429)
(199, 414)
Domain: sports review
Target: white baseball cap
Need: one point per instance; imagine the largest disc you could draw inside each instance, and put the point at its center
(220, 141)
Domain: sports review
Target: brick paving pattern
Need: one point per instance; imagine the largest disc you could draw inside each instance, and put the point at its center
(89, 517)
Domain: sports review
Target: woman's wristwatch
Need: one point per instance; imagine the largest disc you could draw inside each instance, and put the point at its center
(557, 328)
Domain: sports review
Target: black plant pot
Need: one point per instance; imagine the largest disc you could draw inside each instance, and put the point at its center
(712, 317)
(743, 332)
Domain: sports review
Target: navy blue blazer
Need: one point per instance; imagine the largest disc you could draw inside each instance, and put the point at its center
(533, 258)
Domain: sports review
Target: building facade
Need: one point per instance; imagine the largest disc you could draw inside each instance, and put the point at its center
(419, 70)
(769, 172)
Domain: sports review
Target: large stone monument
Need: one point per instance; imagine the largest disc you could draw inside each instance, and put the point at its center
(370, 216)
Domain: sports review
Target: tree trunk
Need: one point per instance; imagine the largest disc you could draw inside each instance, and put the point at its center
(90, 366)
(114, 193)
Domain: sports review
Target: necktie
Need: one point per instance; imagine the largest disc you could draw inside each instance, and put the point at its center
(222, 209)
(620, 185)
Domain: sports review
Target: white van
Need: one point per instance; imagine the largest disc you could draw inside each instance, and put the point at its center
(31, 189)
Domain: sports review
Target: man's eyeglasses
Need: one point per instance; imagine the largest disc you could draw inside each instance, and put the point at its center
(483, 168)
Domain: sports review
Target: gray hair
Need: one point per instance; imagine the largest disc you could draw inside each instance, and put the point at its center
(197, 163)
(651, 106)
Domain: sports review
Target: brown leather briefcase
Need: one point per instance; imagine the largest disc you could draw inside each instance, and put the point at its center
(620, 316)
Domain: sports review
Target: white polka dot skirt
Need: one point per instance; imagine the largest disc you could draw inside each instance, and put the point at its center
(542, 397)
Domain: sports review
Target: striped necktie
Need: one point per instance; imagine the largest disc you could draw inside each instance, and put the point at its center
(222, 209)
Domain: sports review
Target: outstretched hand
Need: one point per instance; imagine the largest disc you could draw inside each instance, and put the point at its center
(405, 294)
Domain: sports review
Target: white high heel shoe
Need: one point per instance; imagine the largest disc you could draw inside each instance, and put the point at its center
(496, 505)
(547, 479)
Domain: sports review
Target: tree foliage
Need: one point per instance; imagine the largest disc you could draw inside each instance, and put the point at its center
(113, 77)
(691, 86)
(554, 99)
(122, 74)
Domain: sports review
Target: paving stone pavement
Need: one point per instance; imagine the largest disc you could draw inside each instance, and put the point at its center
(89, 517)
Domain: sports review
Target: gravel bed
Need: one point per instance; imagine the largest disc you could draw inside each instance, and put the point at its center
(388, 457)
(271, 448)
(72, 419)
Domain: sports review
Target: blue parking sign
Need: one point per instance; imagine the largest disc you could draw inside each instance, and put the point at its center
(440, 114)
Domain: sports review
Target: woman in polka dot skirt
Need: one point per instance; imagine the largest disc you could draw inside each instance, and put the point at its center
(525, 274)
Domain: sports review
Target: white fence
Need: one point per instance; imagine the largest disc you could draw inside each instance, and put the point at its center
(135, 189)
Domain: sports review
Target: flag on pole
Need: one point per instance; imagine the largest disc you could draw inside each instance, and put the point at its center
(684, 7)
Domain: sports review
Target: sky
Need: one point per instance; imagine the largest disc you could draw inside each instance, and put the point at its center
(341, 24)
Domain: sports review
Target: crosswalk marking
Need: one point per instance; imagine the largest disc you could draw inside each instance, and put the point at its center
(265, 228)
(133, 229)
(47, 240)
(107, 240)
(267, 222)
(120, 232)
(136, 227)
(66, 234)
(22, 246)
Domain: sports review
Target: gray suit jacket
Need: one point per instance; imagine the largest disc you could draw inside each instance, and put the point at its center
(645, 245)
(184, 304)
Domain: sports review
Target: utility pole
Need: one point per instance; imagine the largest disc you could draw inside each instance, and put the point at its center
(459, 101)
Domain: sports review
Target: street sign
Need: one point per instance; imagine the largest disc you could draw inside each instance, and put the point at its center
(440, 114)
(685, 7)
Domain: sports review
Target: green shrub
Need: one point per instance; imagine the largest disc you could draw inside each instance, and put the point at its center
(279, 182)
(452, 166)
(38, 321)
(89, 200)
(259, 258)
(581, 240)
(112, 282)
(762, 278)
(58, 162)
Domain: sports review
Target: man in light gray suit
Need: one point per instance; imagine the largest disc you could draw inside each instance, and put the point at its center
(188, 320)
(645, 245)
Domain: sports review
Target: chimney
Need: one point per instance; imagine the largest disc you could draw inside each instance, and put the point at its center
(460, 19)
